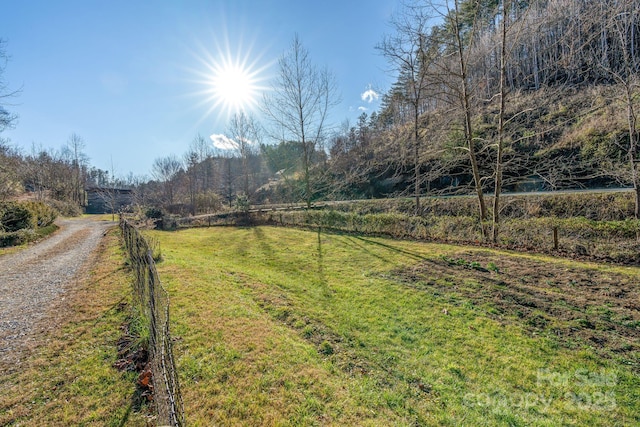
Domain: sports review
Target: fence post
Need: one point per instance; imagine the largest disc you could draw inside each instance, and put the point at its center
(152, 303)
(555, 238)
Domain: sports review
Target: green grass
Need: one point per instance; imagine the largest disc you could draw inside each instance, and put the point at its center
(288, 327)
(24, 238)
(102, 217)
(68, 377)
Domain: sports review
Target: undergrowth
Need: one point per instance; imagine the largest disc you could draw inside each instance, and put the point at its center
(612, 240)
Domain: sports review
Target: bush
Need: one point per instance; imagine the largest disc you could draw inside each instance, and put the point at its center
(68, 209)
(208, 202)
(19, 237)
(242, 203)
(596, 206)
(15, 216)
(456, 228)
(44, 214)
(154, 213)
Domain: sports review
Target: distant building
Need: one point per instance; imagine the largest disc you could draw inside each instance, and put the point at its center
(102, 200)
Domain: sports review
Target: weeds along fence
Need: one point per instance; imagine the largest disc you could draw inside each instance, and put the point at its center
(617, 241)
(608, 240)
(154, 303)
(590, 225)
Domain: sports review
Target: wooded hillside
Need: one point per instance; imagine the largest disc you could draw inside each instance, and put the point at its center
(490, 96)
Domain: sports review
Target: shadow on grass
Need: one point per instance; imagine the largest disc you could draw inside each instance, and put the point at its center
(391, 248)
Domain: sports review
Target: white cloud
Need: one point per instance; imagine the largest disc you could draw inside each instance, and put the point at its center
(222, 142)
(362, 108)
(369, 95)
(246, 141)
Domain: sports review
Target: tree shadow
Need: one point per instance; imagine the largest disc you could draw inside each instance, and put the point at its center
(320, 258)
(350, 241)
(411, 254)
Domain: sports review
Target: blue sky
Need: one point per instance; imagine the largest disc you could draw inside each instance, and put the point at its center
(131, 77)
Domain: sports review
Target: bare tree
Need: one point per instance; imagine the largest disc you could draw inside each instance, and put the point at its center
(623, 23)
(191, 169)
(136, 183)
(10, 163)
(244, 131)
(411, 54)
(299, 104)
(205, 168)
(462, 49)
(193, 160)
(7, 119)
(165, 170)
(456, 38)
(227, 178)
(8, 159)
(79, 162)
(504, 25)
(199, 169)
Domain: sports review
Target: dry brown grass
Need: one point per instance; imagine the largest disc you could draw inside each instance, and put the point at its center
(67, 377)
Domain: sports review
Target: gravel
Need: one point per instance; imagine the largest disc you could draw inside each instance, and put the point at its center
(34, 279)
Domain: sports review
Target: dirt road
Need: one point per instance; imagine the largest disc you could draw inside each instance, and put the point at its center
(32, 281)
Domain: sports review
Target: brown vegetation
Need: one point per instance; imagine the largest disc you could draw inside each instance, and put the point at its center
(595, 307)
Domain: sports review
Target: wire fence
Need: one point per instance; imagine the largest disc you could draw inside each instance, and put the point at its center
(575, 237)
(154, 301)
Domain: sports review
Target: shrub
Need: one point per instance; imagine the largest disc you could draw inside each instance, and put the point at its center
(154, 213)
(15, 216)
(19, 237)
(604, 239)
(242, 203)
(596, 206)
(43, 213)
(68, 209)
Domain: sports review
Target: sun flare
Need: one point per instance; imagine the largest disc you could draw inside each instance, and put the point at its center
(231, 78)
(234, 87)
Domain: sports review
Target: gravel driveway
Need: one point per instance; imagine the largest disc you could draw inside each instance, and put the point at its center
(34, 279)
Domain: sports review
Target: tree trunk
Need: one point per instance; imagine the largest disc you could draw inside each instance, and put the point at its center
(245, 172)
(416, 137)
(499, 165)
(633, 145)
(307, 178)
(466, 105)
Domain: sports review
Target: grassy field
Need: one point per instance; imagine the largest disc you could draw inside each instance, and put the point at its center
(68, 378)
(278, 326)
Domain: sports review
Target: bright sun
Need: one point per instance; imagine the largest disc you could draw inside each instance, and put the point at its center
(231, 79)
(234, 86)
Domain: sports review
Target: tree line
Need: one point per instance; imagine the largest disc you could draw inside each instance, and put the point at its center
(61, 175)
(465, 80)
(475, 79)
(490, 96)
